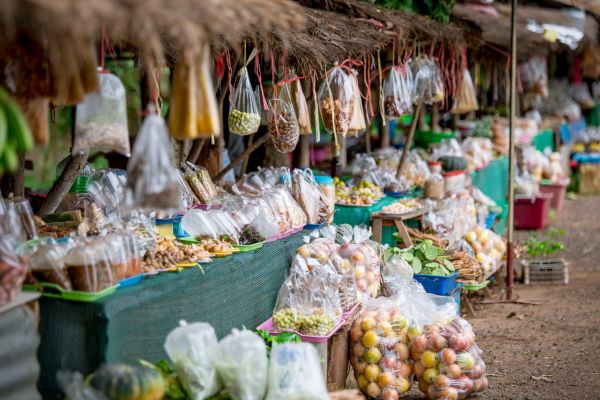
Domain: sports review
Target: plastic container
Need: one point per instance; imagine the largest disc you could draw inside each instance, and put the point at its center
(490, 220)
(328, 189)
(455, 181)
(532, 212)
(56, 292)
(435, 284)
(425, 138)
(558, 191)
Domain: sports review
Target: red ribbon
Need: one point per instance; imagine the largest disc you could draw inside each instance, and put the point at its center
(258, 73)
(229, 73)
(105, 46)
(220, 66)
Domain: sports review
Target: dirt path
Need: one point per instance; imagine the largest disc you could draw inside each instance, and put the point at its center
(550, 351)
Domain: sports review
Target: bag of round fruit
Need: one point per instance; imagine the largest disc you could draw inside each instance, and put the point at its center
(323, 252)
(356, 250)
(308, 302)
(447, 362)
(244, 116)
(379, 352)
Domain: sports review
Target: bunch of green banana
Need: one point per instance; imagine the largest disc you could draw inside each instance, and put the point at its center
(15, 135)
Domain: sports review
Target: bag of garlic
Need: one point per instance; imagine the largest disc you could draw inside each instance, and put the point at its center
(244, 116)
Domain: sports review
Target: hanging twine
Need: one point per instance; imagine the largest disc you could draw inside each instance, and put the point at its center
(313, 78)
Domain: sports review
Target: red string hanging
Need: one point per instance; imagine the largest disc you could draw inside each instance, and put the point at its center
(219, 66)
(230, 75)
(258, 72)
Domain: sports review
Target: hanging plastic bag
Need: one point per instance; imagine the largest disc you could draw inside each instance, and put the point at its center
(295, 373)
(379, 352)
(300, 106)
(335, 101)
(13, 268)
(242, 365)
(357, 116)
(200, 182)
(282, 123)
(397, 92)
(151, 177)
(244, 117)
(534, 75)
(466, 100)
(193, 351)
(101, 119)
(427, 80)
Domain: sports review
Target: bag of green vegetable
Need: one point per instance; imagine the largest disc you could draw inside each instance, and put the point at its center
(427, 258)
(242, 365)
(193, 351)
(295, 373)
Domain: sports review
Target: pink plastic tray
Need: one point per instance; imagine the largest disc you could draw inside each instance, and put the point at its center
(268, 326)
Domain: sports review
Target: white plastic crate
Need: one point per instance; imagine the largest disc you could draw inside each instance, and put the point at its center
(545, 272)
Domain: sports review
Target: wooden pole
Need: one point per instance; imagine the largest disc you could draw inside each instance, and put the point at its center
(242, 155)
(247, 158)
(304, 151)
(63, 184)
(409, 138)
(195, 150)
(511, 152)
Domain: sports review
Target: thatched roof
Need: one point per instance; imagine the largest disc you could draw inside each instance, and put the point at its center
(54, 32)
(491, 25)
(408, 25)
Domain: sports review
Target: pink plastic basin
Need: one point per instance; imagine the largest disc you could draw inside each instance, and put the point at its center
(559, 192)
(532, 212)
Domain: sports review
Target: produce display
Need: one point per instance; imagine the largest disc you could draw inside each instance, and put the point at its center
(244, 116)
(168, 253)
(335, 101)
(363, 194)
(402, 206)
(379, 352)
(311, 321)
(426, 258)
(489, 248)
(452, 217)
(447, 362)
(282, 123)
(470, 271)
(126, 382)
(216, 246)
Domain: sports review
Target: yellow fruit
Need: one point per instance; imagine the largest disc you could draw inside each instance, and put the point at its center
(430, 375)
(362, 382)
(367, 324)
(385, 328)
(429, 359)
(373, 390)
(372, 373)
(372, 356)
(359, 272)
(370, 339)
(402, 385)
(385, 379)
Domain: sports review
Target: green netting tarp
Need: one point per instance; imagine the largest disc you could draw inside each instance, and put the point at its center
(236, 291)
(359, 215)
(543, 140)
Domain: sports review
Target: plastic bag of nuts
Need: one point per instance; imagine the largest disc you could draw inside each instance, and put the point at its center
(335, 101)
(244, 116)
(398, 92)
(282, 123)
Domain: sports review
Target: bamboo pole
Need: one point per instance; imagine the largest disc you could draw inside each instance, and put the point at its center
(63, 184)
(247, 158)
(409, 138)
(511, 152)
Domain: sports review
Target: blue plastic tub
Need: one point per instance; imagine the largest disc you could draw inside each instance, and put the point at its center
(456, 295)
(434, 284)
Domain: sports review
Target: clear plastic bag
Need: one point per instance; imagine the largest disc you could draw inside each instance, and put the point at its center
(151, 177)
(101, 119)
(336, 101)
(398, 92)
(13, 268)
(306, 192)
(300, 106)
(89, 267)
(193, 351)
(357, 115)
(188, 197)
(427, 80)
(285, 209)
(322, 253)
(118, 255)
(488, 248)
(379, 352)
(467, 97)
(244, 117)
(211, 224)
(295, 373)
(107, 189)
(25, 212)
(12, 224)
(47, 264)
(282, 123)
(534, 75)
(200, 182)
(308, 302)
(397, 276)
(242, 365)
(363, 258)
(447, 362)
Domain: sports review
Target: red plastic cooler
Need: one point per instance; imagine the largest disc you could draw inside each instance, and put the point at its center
(532, 212)
(558, 189)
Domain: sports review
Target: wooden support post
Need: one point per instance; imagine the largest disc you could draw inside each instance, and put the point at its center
(242, 155)
(195, 151)
(63, 184)
(15, 182)
(304, 151)
(409, 138)
(247, 158)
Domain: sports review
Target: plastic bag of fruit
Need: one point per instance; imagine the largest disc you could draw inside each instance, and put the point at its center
(308, 302)
(244, 115)
(447, 362)
(295, 373)
(324, 252)
(336, 101)
(398, 92)
(193, 351)
(364, 259)
(242, 365)
(379, 352)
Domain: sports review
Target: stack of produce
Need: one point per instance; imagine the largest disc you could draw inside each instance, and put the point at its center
(427, 258)
(447, 362)
(402, 206)
(169, 253)
(380, 354)
(488, 247)
(470, 271)
(364, 193)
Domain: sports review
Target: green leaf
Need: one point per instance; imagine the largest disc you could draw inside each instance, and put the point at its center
(449, 266)
(416, 266)
(408, 256)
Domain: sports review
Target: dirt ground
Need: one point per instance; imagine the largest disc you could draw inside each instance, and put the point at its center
(550, 351)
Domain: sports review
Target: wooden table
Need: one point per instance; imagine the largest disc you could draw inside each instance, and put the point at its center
(381, 219)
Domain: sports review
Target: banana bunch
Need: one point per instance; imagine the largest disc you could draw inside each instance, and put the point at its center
(15, 135)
